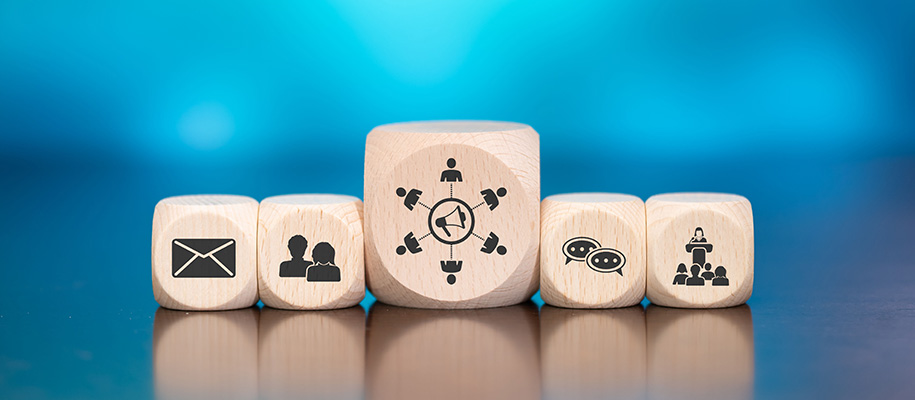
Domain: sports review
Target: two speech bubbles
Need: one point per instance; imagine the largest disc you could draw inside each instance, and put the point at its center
(600, 259)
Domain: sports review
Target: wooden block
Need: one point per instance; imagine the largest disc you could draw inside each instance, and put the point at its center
(310, 252)
(312, 354)
(205, 354)
(592, 252)
(700, 354)
(452, 216)
(203, 252)
(700, 250)
(452, 354)
(590, 354)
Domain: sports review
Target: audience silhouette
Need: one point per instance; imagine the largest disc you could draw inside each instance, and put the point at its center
(708, 274)
(695, 279)
(721, 278)
(680, 279)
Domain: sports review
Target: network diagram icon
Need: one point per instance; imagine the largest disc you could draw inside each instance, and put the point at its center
(451, 221)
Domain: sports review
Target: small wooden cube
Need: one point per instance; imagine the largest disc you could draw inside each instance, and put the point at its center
(700, 252)
(312, 354)
(700, 354)
(592, 252)
(205, 354)
(310, 252)
(203, 252)
(451, 213)
(590, 354)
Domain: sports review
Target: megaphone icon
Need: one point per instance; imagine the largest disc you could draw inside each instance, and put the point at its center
(454, 218)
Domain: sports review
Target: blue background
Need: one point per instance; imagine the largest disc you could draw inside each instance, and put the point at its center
(805, 107)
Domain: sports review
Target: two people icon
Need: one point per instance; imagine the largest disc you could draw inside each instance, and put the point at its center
(320, 269)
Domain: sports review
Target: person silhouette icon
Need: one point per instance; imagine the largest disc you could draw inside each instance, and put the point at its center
(298, 265)
(680, 278)
(451, 174)
(492, 244)
(323, 269)
(492, 198)
(410, 243)
(411, 198)
(698, 236)
(708, 274)
(695, 280)
(721, 278)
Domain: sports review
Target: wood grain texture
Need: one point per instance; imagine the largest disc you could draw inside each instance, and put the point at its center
(311, 354)
(205, 354)
(206, 217)
(589, 354)
(332, 219)
(726, 221)
(490, 155)
(453, 354)
(700, 354)
(615, 221)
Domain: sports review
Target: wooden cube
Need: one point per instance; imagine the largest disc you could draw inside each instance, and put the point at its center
(205, 354)
(312, 354)
(203, 252)
(452, 354)
(592, 252)
(310, 252)
(700, 354)
(700, 250)
(590, 354)
(452, 217)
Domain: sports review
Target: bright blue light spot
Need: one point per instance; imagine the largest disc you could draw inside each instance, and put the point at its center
(206, 126)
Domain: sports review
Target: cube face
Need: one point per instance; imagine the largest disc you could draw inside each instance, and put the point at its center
(701, 252)
(451, 214)
(310, 252)
(592, 251)
(203, 252)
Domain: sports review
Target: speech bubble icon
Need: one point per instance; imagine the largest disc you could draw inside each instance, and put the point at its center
(606, 259)
(576, 248)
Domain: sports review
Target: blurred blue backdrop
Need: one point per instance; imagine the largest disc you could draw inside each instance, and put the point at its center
(251, 83)
(807, 107)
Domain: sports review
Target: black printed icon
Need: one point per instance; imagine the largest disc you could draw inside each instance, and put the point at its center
(700, 271)
(320, 269)
(451, 174)
(599, 259)
(451, 221)
(203, 258)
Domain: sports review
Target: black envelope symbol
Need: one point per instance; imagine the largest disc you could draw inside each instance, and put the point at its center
(203, 258)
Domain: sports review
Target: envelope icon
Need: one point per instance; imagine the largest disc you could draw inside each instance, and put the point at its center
(203, 258)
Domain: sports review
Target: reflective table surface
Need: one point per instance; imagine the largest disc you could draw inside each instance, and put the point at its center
(832, 314)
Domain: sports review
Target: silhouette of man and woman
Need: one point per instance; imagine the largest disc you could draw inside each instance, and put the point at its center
(699, 247)
(322, 269)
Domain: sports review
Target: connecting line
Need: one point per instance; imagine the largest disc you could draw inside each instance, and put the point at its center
(452, 190)
(478, 205)
(427, 207)
(478, 236)
(424, 236)
(451, 256)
